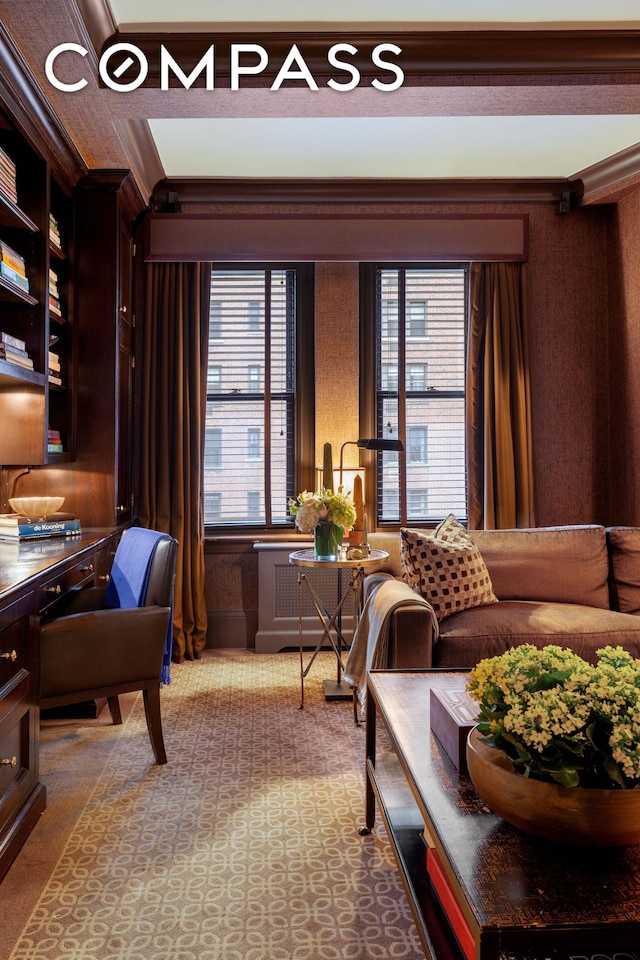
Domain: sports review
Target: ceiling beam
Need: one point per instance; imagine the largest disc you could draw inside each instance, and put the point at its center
(175, 191)
(510, 55)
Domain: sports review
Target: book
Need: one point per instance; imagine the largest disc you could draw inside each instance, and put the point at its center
(9, 256)
(53, 378)
(12, 341)
(14, 351)
(55, 448)
(17, 358)
(26, 529)
(450, 906)
(54, 231)
(9, 273)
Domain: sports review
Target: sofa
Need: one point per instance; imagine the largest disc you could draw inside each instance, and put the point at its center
(574, 586)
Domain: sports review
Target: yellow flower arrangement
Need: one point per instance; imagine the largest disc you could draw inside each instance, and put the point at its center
(561, 719)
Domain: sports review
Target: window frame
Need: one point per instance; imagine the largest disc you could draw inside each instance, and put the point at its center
(303, 474)
(368, 376)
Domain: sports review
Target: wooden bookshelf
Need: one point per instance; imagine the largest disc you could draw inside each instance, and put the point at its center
(26, 314)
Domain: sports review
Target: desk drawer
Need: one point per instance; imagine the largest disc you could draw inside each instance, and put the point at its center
(14, 637)
(51, 592)
(17, 762)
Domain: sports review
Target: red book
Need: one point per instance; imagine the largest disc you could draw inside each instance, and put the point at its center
(450, 905)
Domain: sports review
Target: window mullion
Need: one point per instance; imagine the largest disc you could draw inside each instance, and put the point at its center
(402, 390)
(267, 398)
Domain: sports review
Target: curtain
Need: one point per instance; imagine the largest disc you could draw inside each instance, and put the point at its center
(498, 415)
(173, 407)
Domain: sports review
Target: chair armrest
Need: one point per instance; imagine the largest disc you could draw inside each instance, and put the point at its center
(130, 643)
(411, 638)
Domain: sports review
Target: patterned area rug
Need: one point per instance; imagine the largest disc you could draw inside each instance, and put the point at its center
(245, 846)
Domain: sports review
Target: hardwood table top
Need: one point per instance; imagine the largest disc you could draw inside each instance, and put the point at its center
(510, 881)
(26, 559)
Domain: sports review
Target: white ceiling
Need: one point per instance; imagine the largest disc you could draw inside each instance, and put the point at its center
(377, 12)
(398, 143)
(413, 147)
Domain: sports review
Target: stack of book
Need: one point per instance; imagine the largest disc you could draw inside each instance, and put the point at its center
(54, 369)
(8, 176)
(12, 266)
(14, 350)
(54, 441)
(54, 295)
(15, 527)
(54, 232)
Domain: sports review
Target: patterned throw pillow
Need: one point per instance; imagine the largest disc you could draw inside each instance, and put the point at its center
(446, 567)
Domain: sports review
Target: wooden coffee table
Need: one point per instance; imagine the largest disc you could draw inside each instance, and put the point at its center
(516, 897)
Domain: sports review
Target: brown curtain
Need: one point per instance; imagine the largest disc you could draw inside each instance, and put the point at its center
(173, 413)
(498, 417)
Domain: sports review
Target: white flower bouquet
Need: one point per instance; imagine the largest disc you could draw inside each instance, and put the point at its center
(309, 508)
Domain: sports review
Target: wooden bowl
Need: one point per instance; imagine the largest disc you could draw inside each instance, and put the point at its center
(576, 815)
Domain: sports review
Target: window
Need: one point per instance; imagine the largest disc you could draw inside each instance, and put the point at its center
(254, 313)
(416, 376)
(254, 446)
(416, 444)
(215, 378)
(259, 417)
(416, 322)
(413, 380)
(254, 377)
(215, 320)
(213, 448)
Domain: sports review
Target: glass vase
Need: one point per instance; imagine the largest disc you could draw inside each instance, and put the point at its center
(327, 539)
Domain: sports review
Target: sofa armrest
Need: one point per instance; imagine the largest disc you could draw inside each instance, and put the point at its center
(411, 639)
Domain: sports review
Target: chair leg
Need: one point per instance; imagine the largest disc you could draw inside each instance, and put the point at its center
(151, 696)
(114, 709)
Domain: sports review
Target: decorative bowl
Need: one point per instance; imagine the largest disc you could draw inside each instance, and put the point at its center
(35, 506)
(584, 816)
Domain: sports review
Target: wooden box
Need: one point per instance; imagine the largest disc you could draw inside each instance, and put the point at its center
(453, 715)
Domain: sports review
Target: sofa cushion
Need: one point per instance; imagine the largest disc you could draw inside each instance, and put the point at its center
(624, 556)
(558, 564)
(471, 635)
(446, 567)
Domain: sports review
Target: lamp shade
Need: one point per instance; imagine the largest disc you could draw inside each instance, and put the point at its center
(379, 443)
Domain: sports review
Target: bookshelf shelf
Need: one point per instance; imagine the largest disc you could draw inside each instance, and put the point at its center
(12, 216)
(10, 291)
(17, 374)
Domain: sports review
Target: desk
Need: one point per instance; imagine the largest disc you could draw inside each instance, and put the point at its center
(331, 620)
(35, 575)
(520, 897)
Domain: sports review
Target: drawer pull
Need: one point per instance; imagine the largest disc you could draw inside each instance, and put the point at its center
(13, 762)
(13, 656)
(56, 589)
(104, 577)
(87, 568)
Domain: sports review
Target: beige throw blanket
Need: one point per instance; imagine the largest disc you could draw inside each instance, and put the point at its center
(370, 642)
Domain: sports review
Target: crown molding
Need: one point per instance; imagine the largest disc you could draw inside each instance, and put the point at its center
(609, 175)
(425, 55)
(175, 191)
(98, 20)
(32, 113)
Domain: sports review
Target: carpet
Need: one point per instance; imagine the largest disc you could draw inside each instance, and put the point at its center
(245, 846)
